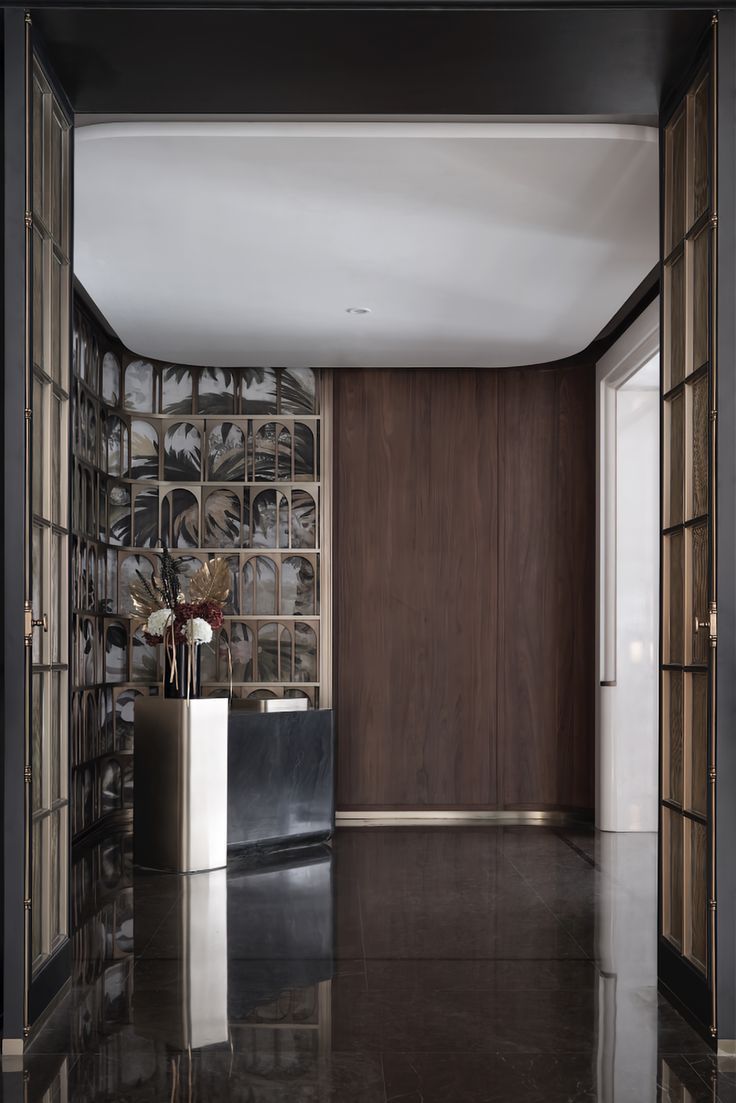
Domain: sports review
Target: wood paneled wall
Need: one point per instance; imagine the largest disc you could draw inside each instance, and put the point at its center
(464, 588)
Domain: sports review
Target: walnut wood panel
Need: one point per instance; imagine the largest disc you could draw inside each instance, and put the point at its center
(700, 152)
(675, 143)
(464, 560)
(672, 887)
(696, 895)
(674, 597)
(415, 478)
(700, 248)
(546, 588)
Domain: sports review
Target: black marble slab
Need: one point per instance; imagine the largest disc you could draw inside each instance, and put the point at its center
(280, 777)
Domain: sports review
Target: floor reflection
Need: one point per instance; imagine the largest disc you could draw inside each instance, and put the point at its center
(415, 965)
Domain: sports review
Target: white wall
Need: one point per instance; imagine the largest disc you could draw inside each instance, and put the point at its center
(628, 584)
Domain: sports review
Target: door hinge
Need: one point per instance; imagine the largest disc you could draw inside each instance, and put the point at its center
(713, 621)
(27, 903)
(28, 220)
(714, 220)
(30, 622)
(712, 905)
(28, 413)
(27, 776)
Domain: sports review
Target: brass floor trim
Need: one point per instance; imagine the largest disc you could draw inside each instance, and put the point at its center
(428, 818)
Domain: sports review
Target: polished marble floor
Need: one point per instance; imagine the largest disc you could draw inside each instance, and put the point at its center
(432, 965)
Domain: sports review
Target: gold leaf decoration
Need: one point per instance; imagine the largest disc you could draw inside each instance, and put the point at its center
(211, 582)
(142, 601)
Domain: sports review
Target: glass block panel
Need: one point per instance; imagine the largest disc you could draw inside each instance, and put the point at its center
(270, 520)
(697, 894)
(139, 384)
(116, 652)
(700, 406)
(297, 587)
(303, 520)
(699, 583)
(298, 393)
(674, 552)
(698, 743)
(145, 518)
(700, 247)
(182, 453)
(304, 453)
(675, 459)
(143, 450)
(260, 587)
(221, 519)
(180, 519)
(675, 184)
(111, 379)
(216, 391)
(258, 391)
(176, 390)
(226, 453)
(305, 653)
(675, 322)
(672, 876)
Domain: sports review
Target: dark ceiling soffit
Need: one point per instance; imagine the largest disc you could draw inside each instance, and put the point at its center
(380, 5)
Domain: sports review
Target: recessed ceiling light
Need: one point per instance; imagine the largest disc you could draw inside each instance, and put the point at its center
(358, 310)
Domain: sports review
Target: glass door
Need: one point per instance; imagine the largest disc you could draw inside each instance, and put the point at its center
(688, 610)
(48, 246)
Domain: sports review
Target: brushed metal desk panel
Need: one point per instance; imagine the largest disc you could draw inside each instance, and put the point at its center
(281, 777)
(180, 786)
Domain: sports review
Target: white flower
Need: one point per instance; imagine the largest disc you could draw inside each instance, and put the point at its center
(159, 621)
(197, 630)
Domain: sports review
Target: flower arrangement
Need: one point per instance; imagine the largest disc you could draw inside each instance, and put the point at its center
(182, 621)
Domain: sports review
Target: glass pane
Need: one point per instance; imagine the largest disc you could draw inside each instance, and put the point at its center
(55, 886)
(700, 151)
(58, 328)
(58, 580)
(39, 447)
(180, 519)
(37, 740)
(674, 548)
(699, 743)
(700, 446)
(182, 452)
(303, 520)
(58, 140)
(699, 553)
(37, 588)
(701, 298)
(40, 293)
(270, 520)
(675, 452)
(58, 741)
(304, 467)
(37, 895)
(675, 332)
(698, 893)
(676, 180)
(297, 587)
(672, 887)
(305, 657)
(143, 450)
(145, 518)
(59, 494)
(38, 165)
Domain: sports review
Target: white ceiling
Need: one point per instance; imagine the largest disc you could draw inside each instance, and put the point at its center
(473, 244)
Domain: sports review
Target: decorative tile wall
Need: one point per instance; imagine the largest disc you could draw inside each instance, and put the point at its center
(214, 461)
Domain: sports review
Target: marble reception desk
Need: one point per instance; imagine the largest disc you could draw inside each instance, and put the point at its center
(280, 777)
